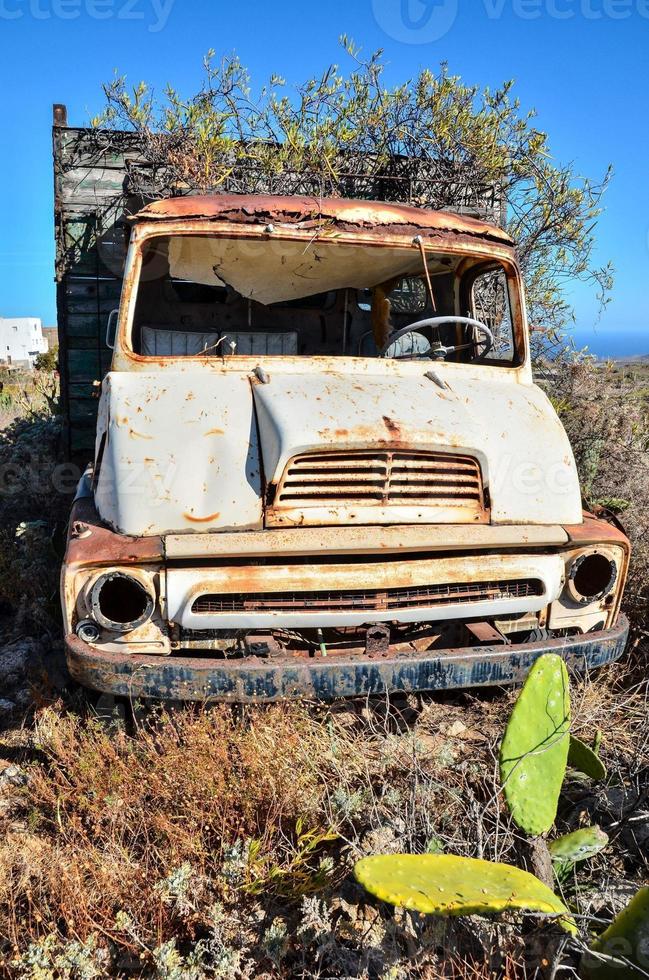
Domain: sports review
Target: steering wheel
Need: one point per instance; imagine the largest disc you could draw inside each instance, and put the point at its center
(441, 352)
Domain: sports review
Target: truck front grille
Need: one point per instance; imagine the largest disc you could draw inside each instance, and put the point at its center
(382, 479)
(424, 596)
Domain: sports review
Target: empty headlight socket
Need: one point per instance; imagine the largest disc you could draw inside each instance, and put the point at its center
(591, 577)
(120, 601)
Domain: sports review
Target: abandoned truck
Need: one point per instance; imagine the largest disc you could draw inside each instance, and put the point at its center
(322, 467)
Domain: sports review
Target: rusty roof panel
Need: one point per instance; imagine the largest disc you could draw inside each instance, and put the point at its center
(261, 208)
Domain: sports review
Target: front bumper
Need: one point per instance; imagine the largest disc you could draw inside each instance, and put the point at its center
(252, 679)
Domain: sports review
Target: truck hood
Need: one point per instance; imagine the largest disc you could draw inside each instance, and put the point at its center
(511, 429)
(187, 451)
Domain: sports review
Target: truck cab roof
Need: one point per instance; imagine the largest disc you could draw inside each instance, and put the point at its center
(372, 217)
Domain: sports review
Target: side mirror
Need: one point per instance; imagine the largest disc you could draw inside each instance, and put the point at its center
(111, 328)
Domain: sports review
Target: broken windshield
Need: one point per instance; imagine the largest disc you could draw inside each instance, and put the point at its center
(202, 295)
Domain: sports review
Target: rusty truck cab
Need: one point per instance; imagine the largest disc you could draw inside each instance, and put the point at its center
(323, 468)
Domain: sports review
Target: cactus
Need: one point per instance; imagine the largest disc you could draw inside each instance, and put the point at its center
(579, 846)
(534, 750)
(597, 741)
(623, 949)
(584, 759)
(442, 884)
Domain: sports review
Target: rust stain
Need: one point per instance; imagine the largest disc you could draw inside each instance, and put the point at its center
(105, 545)
(392, 426)
(363, 539)
(215, 432)
(413, 572)
(138, 435)
(328, 433)
(312, 212)
(595, 530)
(202, 520)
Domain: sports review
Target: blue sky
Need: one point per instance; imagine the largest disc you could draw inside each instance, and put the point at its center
(581, 63)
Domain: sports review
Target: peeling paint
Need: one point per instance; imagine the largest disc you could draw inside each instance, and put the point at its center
(334, 492)
(208, 519)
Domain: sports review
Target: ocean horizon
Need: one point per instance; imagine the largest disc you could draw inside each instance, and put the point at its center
(612, 343)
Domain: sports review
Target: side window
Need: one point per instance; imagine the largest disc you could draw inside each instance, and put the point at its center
(490, 305)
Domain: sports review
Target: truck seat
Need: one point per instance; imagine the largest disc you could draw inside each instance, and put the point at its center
(260, 342)
(159, 341)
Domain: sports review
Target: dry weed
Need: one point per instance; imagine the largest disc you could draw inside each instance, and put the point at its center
(221, 842)
(217, 843)
(605, 410)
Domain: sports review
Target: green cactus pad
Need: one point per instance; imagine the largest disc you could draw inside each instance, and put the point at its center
(578, 846)
(582, 758)
(442, 884)
(534, 750)
(627, 937)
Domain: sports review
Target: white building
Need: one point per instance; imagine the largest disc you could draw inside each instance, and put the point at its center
(21, 340)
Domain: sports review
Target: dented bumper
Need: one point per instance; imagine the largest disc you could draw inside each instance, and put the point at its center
(253, 679)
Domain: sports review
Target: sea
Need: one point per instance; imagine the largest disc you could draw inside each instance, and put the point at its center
(612, 344)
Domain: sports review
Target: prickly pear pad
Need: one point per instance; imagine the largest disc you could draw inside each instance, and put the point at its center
(442, 884)
(582, 758)
(578, 846)
(534, 749)
(622, 948)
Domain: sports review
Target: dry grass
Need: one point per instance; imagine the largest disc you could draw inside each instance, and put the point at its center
(605, 410)
(35, 493)
(223, 841)
(219, 843)
(26, 393)
(201, 815)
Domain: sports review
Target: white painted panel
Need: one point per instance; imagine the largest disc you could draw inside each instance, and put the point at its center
(181, 454)
(185, 585)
